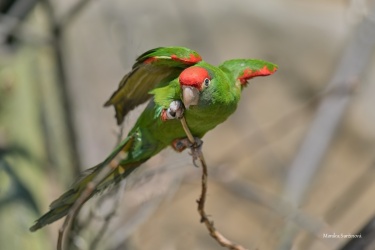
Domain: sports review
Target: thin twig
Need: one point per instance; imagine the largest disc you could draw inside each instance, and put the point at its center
(107, 219)
(119, 192)
(220, 238)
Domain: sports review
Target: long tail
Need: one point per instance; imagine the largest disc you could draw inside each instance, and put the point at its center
(60, 207)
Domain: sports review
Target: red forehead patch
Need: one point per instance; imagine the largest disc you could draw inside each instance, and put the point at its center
(194, 76)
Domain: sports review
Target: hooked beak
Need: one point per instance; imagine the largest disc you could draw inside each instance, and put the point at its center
(190, 96)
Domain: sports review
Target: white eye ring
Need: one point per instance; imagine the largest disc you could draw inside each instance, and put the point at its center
(206, 82)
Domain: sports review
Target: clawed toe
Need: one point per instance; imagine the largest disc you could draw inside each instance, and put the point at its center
(181, 144)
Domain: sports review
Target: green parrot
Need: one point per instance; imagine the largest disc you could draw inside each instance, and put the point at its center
(176, 82)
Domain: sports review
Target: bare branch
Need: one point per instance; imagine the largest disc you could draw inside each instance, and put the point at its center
(107, 219)
(220, 238)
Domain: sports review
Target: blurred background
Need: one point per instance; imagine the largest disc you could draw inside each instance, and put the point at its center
(294, 164)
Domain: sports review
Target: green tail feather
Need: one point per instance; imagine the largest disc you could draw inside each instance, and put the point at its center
(60, 207)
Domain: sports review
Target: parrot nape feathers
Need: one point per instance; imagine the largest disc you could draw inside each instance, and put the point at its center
(176, 82)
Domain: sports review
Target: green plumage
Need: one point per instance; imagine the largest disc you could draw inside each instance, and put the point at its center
(155, 76)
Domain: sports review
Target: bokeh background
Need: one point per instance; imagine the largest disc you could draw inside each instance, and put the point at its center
(295, 162)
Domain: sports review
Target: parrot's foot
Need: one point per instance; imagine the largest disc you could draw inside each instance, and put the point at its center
(181, 144)
(175, 111)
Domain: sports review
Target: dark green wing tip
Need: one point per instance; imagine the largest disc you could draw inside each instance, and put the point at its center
(119, 110)
(50, 217)
(35, 227)
(120, 118)
(39, 224)
(107, 103)
(58, 209)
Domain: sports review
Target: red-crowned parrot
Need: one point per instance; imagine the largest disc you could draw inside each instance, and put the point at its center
(176, 82)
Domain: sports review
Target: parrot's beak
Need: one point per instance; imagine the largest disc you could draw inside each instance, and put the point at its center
(190, 96)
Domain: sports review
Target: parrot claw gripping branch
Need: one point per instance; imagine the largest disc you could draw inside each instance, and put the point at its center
(187, 97)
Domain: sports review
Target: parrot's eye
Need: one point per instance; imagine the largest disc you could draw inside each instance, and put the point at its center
(206, 82)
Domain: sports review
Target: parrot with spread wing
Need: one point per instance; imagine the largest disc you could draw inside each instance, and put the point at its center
(176, 82)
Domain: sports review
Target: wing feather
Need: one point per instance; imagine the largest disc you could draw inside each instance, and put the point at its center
(154, 68)
(242, 70)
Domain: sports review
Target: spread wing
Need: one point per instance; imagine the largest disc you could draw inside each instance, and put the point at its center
(242, 70)
(156, 67)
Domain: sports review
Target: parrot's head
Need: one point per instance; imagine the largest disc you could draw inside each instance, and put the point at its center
(193, 81)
